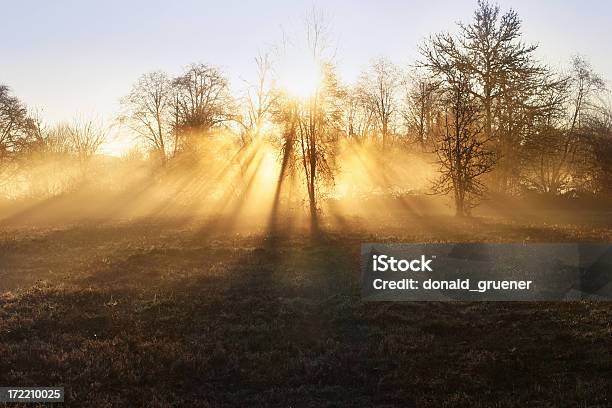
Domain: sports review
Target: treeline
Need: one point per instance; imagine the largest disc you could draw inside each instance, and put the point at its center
(477, 102)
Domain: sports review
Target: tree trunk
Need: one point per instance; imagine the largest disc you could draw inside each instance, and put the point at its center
(384, 136)
(459, 205)
(312, 197)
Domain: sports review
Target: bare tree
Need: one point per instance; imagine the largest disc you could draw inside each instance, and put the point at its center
(379, 87)
(317, 136)
(600, 126)
(462, 149)
(558, 152)
(85, 138)
(202, 99)
(505, 72)
(359, 119)
(14, 123)
(58, 139)
(148, 112)
(310, 123)
(52, 166)
(585, 84)
(420, 112)
(259, 99)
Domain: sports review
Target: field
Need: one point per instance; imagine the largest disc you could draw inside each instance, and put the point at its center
(164, 313)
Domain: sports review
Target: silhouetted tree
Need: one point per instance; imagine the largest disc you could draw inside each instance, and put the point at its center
(359, 121)
(558, 152)
(202, 99)
(462, 149)
(420, 112)
(148, 112)
(600, 126)
(14, 124)
(259, 99)
(505, 75)
(379, 88)
(85, 136)
(311, 123)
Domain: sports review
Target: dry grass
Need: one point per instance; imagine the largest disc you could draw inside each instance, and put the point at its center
(157, 314)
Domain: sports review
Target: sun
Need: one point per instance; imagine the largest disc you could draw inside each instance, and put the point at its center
(117, 146)
(300, 77)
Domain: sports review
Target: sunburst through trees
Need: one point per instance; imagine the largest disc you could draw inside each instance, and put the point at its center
(477, 113)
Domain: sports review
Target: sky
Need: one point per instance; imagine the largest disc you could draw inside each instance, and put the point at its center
(78, 58)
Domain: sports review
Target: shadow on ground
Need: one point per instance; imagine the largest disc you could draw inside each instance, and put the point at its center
(151, 315)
